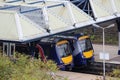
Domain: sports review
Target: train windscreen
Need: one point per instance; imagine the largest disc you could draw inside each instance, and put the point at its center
(85, 44)
(64, 50)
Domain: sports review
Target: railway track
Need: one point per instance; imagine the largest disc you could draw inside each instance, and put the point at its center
(97, 68)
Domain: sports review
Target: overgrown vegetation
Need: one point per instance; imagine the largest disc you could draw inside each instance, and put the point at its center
(115, 73)
(97, 38)
(24, 68)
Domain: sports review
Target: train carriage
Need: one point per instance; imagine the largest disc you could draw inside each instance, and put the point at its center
(58, 50)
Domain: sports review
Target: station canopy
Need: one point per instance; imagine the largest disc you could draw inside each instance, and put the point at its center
(22, 21)
(72, 15)
(15, 27)
(102, 9)
(112, 6)
(65, 10)
(117, 7)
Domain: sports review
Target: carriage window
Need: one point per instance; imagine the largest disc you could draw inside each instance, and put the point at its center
(85, 44)
(64, 50)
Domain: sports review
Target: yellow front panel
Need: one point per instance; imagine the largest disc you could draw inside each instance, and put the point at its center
(88, 54)
(67, 60)
(62, 42)
(83, 37)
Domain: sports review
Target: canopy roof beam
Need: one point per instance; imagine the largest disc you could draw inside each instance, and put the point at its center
(13, 1)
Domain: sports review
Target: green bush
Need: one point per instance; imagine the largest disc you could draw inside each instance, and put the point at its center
(115, 73)
(5, 68)
(92, 37)
(24, 68)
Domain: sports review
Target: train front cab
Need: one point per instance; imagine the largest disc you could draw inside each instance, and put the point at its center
(87, 48)
(64, 52)
(60, 52)
(83, 52)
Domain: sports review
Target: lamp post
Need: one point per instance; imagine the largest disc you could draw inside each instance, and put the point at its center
(103, 28)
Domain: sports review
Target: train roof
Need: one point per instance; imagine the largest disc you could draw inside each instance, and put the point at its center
(73, 35)
(51, 40)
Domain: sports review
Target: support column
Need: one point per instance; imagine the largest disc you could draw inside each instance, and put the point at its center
(5, 48)
(119, 42)
(8, 49)
(118, 25)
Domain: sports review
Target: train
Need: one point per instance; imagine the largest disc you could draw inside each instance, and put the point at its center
(80, 46)
(66, 50)
(82, 50)
(57, 49)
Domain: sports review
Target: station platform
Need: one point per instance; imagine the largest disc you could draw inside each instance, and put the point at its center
(77, 76)
(112, 50)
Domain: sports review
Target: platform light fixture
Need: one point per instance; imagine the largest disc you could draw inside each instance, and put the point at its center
(103, 28)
